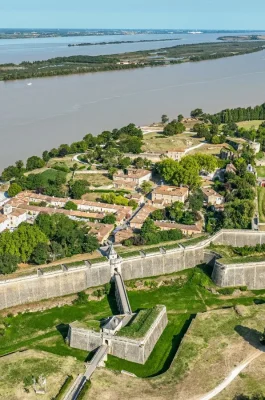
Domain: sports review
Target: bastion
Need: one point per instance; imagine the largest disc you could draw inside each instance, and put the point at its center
(73, 279)
(134, 349)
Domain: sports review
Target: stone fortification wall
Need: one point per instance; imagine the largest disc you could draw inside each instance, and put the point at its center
(60, 283)
(251, 275)
(52, 284)
(161, 264)
(134, 350)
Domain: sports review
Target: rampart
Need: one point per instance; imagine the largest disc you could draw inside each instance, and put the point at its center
(75, 279)
(134, 350)
(250, 274)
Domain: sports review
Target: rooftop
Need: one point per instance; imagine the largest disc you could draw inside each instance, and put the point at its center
(210, 192)
(135, 173)
(171, 190)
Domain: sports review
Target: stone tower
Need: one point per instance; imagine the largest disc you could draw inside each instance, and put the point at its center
(114, 259)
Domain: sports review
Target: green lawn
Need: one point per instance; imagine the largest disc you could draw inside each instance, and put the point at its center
(51, 174)
(261, 171)
(261, 203)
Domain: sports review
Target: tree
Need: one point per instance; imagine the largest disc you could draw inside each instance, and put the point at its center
(202, 130)
(109, 219)
(175, 211)
(112, 198)
(70, 205)
(90, 244)
(133, 204)
(174, 128)
(125, 162)
(112, 171)
(164, 119)
(8, 263)
(14, 189)
(79, 188)
(167, 168)
(196, 113)
(46, 156)
(180, 118)
(146, 187)
(196, 200)
(206, 162)
(34, 162)
(130, 144)
(22, 241)
(41, 254)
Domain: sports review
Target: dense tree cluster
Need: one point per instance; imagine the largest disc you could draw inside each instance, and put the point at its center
(173, 128)
(50, 238)
(175, 212)
(235, 115)
(151, 234)
(186, 172)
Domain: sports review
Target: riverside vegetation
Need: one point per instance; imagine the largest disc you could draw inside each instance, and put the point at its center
(139, 59)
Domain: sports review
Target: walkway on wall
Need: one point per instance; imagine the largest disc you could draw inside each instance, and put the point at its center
(81, 380)
(123, 303)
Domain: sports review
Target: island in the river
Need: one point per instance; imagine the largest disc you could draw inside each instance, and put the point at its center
(119, 42)
(240, 38)
(139, 59)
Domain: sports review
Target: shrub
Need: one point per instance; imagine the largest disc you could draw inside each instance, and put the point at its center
(82, 298)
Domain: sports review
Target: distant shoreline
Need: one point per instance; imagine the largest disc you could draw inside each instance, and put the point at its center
(120, 42)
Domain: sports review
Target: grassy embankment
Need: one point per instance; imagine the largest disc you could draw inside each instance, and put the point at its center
(261, 203)
(139, 59)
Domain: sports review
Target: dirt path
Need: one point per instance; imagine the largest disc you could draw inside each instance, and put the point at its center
(233, 374)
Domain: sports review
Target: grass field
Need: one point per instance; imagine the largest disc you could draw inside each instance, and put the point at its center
(159, 142)
(18, 370)
(261, 203)
(261, 171)
(250, 124)
(95, 180)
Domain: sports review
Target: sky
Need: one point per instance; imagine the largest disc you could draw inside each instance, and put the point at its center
(167, 14)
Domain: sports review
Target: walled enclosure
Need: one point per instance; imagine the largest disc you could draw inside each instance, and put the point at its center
(75, 279)
(134, 350)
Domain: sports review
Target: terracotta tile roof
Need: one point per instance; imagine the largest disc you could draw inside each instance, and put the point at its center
(171, 190)
(169, 225)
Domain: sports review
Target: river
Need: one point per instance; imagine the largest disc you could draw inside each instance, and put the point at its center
(63, 109)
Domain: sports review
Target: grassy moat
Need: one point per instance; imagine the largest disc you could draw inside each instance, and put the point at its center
(184, 294)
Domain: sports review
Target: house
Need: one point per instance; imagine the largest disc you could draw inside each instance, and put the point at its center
(137, 221)
(255, 146)
(212, 197)
(3, 223)
(187, 230)
(135, 176)
(101, 231)
(123, 234)
(137, 197)
(251, 169)
(170, 194)
(175, 154)
(230, 168)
